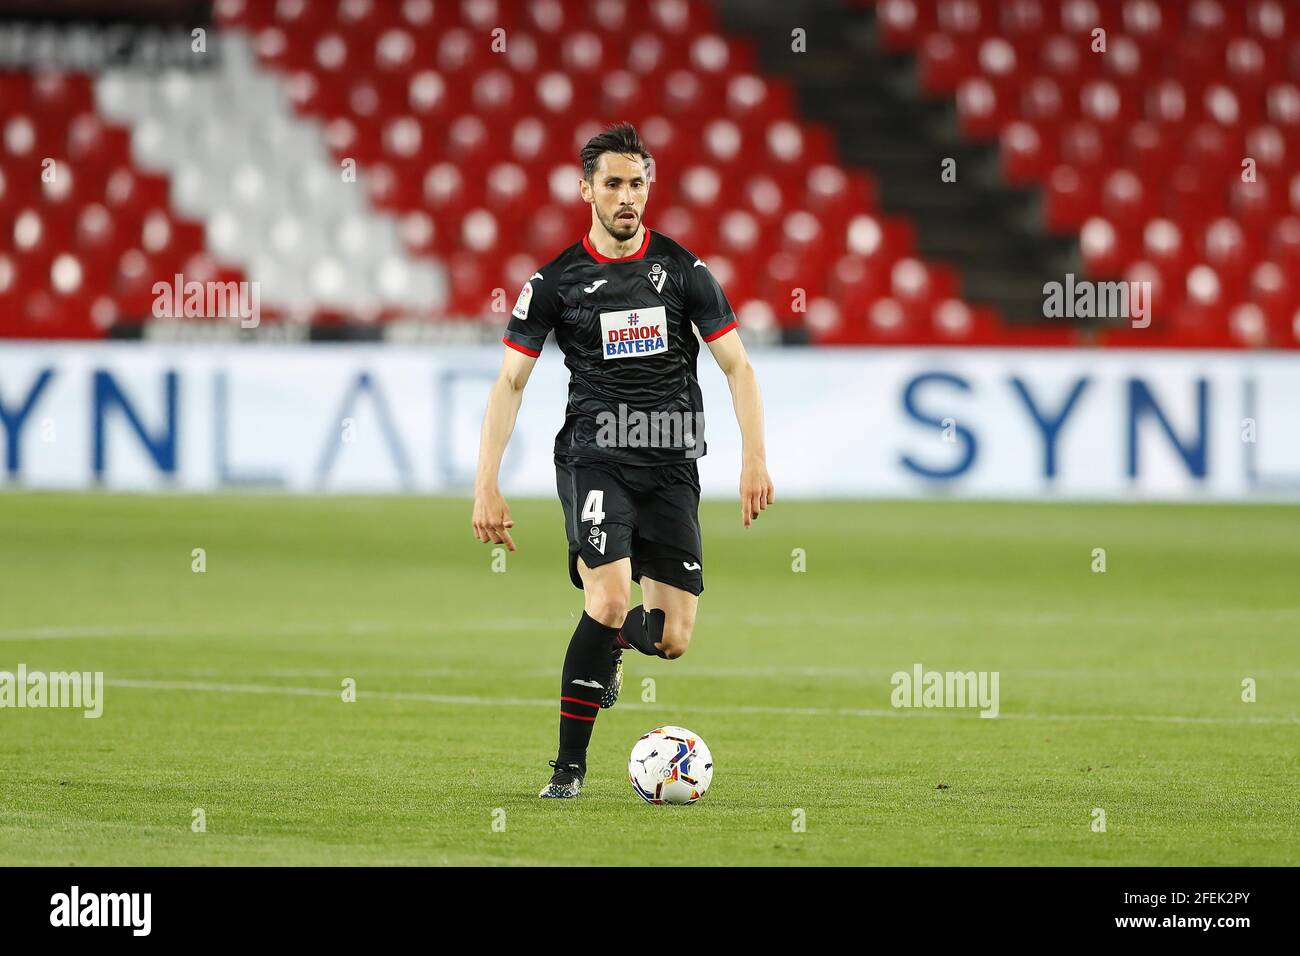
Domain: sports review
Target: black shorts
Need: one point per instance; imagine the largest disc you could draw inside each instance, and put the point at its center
(648, 514)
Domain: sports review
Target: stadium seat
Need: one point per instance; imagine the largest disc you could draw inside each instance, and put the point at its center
(464, 159)
(1140, 149)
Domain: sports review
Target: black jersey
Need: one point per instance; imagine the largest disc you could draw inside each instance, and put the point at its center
(625, 328)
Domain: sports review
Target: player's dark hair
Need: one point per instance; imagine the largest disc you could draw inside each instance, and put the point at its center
(622, 139)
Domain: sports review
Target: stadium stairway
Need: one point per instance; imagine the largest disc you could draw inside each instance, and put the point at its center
(991, 232)
(1164, 135)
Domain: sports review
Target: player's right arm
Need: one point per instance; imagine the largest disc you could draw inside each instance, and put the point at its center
(531, 320)
(492, 522)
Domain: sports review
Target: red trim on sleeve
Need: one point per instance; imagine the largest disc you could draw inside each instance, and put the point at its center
(639, 254)
(722, 331)
(520, 348)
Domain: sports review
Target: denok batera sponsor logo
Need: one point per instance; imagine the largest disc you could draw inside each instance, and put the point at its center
(633, 333)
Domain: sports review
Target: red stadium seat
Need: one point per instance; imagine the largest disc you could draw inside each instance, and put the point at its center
(1285, 244)
(1225, 249)
(1071, 199)
(901, 25)
(979, 112)
(1024, 157)
(1273, 290)
(471, 146)
(1103, 256)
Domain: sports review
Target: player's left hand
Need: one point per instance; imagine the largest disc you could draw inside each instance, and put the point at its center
(756, 491)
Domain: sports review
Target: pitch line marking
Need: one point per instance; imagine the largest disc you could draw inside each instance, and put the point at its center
(529, 624)
(475, 701)
(73, 631)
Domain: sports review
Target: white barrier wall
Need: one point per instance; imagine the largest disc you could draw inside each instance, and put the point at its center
(880, 422)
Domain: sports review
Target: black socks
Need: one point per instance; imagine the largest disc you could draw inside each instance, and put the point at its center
(644, 629)
(586, 670)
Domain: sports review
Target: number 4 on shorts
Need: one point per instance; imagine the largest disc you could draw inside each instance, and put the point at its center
(593, 508)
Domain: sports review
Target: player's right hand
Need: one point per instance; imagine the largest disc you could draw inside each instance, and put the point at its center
(492, 519)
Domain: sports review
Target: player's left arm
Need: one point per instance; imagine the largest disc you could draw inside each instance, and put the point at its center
(756, 491)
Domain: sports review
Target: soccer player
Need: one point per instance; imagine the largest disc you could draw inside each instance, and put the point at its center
(624, 304)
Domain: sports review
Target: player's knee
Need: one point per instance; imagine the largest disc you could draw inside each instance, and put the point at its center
(607, 605)
(675, 640)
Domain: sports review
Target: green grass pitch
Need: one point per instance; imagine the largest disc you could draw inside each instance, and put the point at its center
(1119, 690)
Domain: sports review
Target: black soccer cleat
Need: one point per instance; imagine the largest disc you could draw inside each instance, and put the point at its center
(615, 683)
(566, 782)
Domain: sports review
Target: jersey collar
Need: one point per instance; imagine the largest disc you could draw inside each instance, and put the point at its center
(639, 254)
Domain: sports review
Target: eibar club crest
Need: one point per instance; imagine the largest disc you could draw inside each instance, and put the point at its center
(657, 277)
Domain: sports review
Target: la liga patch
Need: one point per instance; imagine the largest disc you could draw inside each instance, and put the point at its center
(524, 301)
(634, 333)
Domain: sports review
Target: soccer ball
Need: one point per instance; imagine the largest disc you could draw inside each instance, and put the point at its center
(670, 765)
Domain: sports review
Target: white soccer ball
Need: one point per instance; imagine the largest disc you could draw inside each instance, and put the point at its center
(670, 765)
